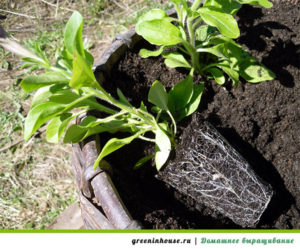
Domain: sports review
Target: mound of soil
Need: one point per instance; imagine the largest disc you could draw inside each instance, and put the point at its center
(260, 120)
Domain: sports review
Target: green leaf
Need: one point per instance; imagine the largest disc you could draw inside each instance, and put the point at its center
(39, 115)
(217, 74)
(233, 75)
(183, 2)
(34, 61)
(202, 33)
(75, 134)
(113, 145)
(227, 6)
(65, 96)
(184, 5)
(158, 95)
(65, 60)
(68, 97)
(175, 59)
(34, 82)
(73, 34)
(225, 23)
(73, 100)
(83, 75)
(254, 72)
(180, 94)
(89, 58)
(142, 161)
(193, 103)
(262, 3)
(39, 52)
(155, 109)
(112, 126)
(216, 50)
(89, 121)
(122, 98)
(91, 125)
(152, 15)
(176, 1)
(164, 127)
(183, 34)
(240, 62)
(57, 125)
(145, 53)
(61, 101)
(42, 95)
(163, 148)
(143, 107)
(159, 32)
(231, 49)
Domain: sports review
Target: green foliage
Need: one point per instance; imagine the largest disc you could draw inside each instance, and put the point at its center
(158, 96)
(142, 161)
(199, 30)
(34, 82)
(82, 73)
(180, 96)
(73, 35)
(217, 74)
(175, 59)
(224, 22)
(57, 125)
(227, 6)
(69, 88)
(144, 53)
(163, 148)
(159, 32)
(39, 115)
(193, 104)
(114, 144)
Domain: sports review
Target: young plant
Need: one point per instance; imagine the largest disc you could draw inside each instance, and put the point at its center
(69, 88)
(202, 35)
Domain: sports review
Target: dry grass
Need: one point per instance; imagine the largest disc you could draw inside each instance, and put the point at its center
(36, 185)
(36, 178)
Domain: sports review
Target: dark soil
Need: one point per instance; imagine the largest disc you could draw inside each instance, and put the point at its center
(260, 120)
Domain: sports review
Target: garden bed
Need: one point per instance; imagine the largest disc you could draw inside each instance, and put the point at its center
(260, 120)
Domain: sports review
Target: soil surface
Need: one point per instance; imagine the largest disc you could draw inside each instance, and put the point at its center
(261, 121)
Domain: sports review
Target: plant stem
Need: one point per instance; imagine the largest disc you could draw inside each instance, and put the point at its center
(173, 121)
(196, 4)
(179, 14)
(191, 31)
(158, 115)
(147, 139)
(56, 69)
(194, 55)
(103, 108)
(107, 97)
(209, 66)
(112, 117)
(77, 101)
(196, 23)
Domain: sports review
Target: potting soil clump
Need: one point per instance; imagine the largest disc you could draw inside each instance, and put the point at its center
(212, 172)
